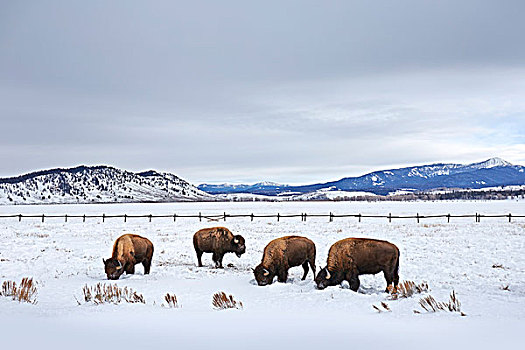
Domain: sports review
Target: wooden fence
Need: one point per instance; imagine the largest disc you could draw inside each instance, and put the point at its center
(278, 216)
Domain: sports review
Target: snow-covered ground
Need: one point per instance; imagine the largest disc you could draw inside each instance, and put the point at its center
(63, 257)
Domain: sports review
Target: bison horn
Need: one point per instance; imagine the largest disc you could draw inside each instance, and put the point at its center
(266, 272)
(235, 240)
(328, 274)
(104, 260)
(120, 265)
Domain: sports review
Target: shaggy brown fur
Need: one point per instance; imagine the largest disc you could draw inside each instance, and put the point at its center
(283, 253)
(219, 241)
(128, 251)
(351, 257)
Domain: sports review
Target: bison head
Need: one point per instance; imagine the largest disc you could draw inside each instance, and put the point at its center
(263, 276)
(238, 246)
(326, 278)
(114, 268)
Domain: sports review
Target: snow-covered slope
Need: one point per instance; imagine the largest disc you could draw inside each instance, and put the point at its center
(97, 184)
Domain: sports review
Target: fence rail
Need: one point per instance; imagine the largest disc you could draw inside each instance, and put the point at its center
(217, 217)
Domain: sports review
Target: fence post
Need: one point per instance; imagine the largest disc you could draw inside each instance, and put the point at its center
(84, 218)
(224, 216)
(278, 217)
(510, 215)
(389, 217)
(200, 216)
(19, 217)
(103, 217)
(150, 217)
(174, 217)
(65, 216)
(417, 215)
(43, 217)
(305, 217)
(125, 217)
(448, 218)
(251, 216)
(359, 217)
(331, 217)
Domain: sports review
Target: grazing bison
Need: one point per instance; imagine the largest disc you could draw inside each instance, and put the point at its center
(128, 250)
(219, 241)
(280, 255)
(351, 257)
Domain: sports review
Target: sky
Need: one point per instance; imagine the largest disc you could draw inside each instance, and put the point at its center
(293, 92)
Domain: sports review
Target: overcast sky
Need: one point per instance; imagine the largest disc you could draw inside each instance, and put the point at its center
(243, 91)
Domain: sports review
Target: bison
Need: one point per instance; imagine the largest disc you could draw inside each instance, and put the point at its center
(128, 251)
(351, 257)
(219, 241)
(280, 255)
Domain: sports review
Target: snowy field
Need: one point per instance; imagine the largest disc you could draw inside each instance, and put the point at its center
(460, 255)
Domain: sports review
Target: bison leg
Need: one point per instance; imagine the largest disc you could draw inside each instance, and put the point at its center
(147, 265)
(220, 260)
(282, 275)
(217, 259)
(305, 267)
(354, 283)
(199, 256)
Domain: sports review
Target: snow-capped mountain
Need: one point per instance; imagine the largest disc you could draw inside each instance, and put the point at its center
(490, 173)
(97, 184)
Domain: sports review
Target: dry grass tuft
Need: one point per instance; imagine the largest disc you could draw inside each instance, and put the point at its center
(25, 292)
(382, 308)
(406, 289)
(102, 293)
(222, 302)
(429, 304)
(171, 301)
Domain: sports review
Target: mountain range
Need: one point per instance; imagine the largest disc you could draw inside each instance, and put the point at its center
(106, 184)
(490, 173)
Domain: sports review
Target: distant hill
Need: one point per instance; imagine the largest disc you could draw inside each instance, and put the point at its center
(490, 173)
(97, 184)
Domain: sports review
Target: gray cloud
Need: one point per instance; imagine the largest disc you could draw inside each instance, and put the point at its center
(292, 91)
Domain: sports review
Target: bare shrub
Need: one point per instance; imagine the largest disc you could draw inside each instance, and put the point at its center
(429, 304)
(222, 302)
(171, 301)
(111, 293)
(406, 289)
(25, 292)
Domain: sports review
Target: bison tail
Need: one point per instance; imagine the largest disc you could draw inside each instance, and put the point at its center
(396, 270)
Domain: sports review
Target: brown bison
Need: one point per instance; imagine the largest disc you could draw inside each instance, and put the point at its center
(128, 251)
(219, 241)
(351, 257)
(282, 254)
